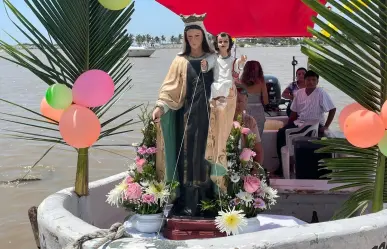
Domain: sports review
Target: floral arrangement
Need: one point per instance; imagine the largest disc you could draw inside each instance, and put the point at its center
(141, 191)
(248, 193)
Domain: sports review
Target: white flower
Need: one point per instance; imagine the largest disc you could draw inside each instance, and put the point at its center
(159, 190)
(244, 196)
(132, 173)
(235, 178)
(133, 166)
(269, 191)
(135, 144)
(116, 195)
(144, 183)
(230, 222)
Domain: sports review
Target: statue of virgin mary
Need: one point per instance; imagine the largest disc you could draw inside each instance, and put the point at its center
(183, 110)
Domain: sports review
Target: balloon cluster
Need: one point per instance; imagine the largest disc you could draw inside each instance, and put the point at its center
(78, 125)
(364, 128)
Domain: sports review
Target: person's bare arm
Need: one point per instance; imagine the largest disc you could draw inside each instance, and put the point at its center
(293, 117)
(327, 104)
(287, 94)
(264, 94)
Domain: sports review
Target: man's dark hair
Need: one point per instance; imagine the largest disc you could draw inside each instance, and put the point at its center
(302, 69)
(311, 73)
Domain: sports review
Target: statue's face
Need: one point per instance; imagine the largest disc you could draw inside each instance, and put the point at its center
(195, 38)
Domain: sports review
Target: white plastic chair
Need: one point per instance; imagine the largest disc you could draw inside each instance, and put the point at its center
(287, 151)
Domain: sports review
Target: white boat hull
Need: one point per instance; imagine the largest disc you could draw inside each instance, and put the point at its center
(64, 217)
(141, 52)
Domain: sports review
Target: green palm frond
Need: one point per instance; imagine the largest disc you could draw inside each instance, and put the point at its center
(354, 60)
(82, 35)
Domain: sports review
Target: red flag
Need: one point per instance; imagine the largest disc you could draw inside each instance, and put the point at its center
(249, 18)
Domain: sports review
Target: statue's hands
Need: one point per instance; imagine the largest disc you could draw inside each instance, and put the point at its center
(157, 112)
(204, 65)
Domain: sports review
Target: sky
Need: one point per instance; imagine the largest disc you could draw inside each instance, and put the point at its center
(149, 17)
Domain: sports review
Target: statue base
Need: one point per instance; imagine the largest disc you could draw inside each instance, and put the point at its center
(184, 228)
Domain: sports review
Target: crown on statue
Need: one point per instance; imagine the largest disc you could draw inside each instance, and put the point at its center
(193, 18)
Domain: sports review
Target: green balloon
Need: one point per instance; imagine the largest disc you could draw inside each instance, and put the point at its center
(382, 145)
(59, 96)
(115, 4)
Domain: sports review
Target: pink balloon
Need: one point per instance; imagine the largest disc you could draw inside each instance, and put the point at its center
(93, 88)
(79, 127)
(348, 110)
(364, 128)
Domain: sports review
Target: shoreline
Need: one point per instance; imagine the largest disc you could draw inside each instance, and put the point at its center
(175, 46)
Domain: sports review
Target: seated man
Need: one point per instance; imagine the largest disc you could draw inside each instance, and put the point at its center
(309, 105)
(248, 121)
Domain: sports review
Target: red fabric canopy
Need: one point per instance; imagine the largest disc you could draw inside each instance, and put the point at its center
(249, 18)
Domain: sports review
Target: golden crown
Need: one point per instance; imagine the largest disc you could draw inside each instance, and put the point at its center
(193, 18)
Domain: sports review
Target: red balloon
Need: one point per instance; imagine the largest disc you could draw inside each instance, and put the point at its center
(383, 114)
(50, 112)
(79, 127)
(348, 110)
(364, 128)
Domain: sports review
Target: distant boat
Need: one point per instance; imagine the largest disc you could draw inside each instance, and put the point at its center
(141, 51)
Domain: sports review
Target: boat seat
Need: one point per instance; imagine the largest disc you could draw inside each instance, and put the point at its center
(287, 151)
(273, 125)
(269, 141)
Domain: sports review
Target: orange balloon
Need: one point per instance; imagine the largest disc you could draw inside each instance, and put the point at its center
(348, 110)
(50, 112)
(79, 127)
(383, 114)
(364, 128)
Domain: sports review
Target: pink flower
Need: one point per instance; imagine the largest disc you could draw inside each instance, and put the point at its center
(140, 164)
(247, 154)
(259, 203)
(142, 150)
(151, 150)
(148, 198)
(133, 191)
(129, 180)
(140, 161)
(251, 184)
(237, 125)
(245, 131)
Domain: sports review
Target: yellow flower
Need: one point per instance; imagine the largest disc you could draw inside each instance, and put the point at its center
(230, 222)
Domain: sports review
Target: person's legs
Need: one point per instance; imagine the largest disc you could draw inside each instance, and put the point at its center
(281, 141)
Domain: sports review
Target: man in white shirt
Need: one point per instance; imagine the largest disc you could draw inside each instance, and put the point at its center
(309, 105)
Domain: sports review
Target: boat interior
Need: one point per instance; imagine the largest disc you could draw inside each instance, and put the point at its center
(304, 190)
